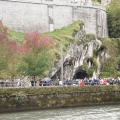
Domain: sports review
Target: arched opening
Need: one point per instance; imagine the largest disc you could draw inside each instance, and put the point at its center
(80, 75)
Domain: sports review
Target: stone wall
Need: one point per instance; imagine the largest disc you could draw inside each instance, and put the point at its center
(19, 99)
(105, 2)
(29, 16)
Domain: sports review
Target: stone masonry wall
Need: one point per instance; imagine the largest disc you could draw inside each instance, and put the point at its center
(26, 16)
(19, 99)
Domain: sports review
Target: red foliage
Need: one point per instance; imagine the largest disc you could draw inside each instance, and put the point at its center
(32, 40)
(3, 33)
(22, 48)
(16, 48)
(46, 41)
(14, 45)
(7, 45)
(35, 41)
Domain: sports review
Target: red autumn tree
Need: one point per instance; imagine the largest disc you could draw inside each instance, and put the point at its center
(34, 41)
(39, 55)
(3, 32)
(14, 53)
(10, 52)
(3, 52)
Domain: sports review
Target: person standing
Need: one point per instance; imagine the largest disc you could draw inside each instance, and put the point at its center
(60, 83)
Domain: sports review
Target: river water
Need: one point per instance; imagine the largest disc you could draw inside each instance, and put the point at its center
(111, 112)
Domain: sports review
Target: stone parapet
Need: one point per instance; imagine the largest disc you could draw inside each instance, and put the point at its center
(20, 99)
(61, 2)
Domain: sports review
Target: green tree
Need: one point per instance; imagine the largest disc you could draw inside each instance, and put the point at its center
(113, 12)
(108, 68)
(36, 64)
(39, 56)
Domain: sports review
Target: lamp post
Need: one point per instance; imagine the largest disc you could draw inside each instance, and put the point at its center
(61, 62)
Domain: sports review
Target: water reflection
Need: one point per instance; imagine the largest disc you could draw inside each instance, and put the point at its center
(78, 113)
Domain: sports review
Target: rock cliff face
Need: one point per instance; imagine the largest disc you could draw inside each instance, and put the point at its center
(78, 56)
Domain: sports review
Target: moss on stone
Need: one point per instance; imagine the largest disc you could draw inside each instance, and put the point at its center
(51, 97)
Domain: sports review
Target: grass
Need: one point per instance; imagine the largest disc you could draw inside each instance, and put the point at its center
(65, 35)
(18, 36)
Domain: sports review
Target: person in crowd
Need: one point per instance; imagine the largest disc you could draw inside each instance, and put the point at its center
(60, 83)
(32, 83)
(2, 83)
(101, 82)
(67, 82)
(12, 83)
(110, 81)
(92, 82)
(105, 81)
(19, 82)
(81, 83)
(40, 82)
(118, 80)
(86, 81)
(98, 81)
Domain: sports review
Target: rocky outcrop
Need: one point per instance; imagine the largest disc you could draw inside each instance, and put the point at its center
(79, 55)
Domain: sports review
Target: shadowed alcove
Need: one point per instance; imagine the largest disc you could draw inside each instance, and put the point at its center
(80, 75)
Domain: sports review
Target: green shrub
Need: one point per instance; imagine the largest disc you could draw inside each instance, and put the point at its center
(108, 68)
(90, 71)
(90, 37)
(105, 75)
(113, 13)
(57, 54)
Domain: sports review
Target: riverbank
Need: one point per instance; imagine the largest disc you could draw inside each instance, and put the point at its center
(34, 98)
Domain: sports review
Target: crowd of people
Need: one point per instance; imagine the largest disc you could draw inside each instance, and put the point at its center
(92, 81)
(71, 82)
(80, 82)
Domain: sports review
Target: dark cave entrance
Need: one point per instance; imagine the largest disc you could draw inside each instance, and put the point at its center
(80, 75)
